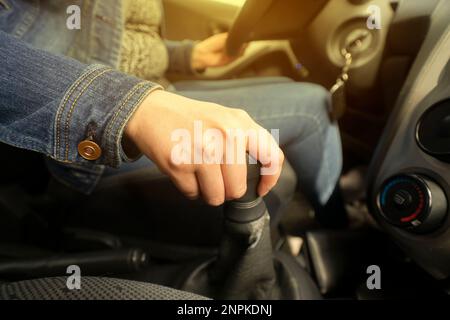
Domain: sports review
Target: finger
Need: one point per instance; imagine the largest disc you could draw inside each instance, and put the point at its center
(187, 184)
(235, 180)
(269, 154)
(222, 36)
(269, 180)
(242, 50)
(210, 182)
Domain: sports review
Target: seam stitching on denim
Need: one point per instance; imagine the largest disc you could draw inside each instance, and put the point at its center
(62, 107)
(117, 112)
(72, 107)
(126, 118)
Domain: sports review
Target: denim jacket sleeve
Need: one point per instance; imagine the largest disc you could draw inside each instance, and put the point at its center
(50, 103)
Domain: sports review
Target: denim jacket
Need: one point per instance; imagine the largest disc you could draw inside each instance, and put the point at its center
(59, 87)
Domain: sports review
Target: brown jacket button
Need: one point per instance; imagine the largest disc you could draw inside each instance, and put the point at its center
(89, 150)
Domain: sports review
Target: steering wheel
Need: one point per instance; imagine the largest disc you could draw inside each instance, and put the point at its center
(271, 19)
(240, 32)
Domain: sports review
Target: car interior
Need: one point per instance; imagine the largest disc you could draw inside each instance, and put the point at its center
(391, 97)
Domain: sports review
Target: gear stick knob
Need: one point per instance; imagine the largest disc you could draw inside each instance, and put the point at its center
(245, 266)
(250, 206)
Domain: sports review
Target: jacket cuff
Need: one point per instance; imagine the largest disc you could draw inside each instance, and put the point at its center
(97, 107)
(180, 53)
(125, 157)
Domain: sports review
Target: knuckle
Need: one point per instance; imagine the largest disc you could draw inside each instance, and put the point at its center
(241, 114)
(178, 168)
(215, 105)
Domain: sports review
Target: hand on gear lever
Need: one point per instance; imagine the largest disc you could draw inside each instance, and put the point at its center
(244, 267)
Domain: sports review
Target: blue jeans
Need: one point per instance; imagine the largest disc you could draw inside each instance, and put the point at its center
(311, 142)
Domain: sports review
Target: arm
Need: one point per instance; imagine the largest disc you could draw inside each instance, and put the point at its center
(48, 103)
(188, 57)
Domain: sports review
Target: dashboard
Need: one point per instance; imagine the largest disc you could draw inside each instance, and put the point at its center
(409, 177)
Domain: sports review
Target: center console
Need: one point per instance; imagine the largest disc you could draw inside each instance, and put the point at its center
(409, 179)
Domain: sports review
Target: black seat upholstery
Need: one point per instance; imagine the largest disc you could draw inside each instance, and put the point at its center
(92, 288)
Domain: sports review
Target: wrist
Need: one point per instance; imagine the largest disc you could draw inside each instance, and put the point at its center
(197, 63)
(130, 138)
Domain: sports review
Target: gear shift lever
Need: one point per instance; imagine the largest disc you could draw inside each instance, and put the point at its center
(245, 246)
(245, 267)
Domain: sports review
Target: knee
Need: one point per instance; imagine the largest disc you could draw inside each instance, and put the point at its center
(312, 106)
(319, 99)
(312, 99)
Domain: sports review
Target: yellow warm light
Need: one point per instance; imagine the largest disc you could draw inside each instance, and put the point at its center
(232, 2)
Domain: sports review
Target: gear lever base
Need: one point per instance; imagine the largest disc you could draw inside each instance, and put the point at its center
(250, 270)
(292, 282)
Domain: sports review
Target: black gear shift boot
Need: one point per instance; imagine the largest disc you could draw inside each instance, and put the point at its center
(246, 268)
(232, 275)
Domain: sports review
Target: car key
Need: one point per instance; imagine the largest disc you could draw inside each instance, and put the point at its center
(338, 93)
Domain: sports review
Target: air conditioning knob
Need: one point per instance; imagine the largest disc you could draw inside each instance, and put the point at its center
(412, 202)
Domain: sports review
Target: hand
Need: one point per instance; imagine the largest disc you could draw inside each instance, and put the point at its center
(161, 113)
(211, 53)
